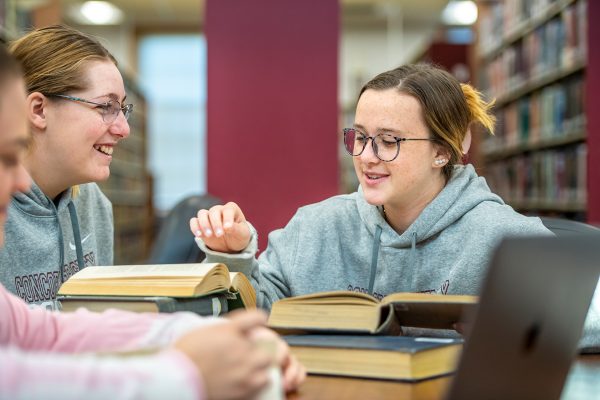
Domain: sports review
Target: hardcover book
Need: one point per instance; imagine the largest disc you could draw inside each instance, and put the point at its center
(347, 311)
(383, 357)
(209, 305)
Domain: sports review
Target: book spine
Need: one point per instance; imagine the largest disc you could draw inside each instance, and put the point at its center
(213, 305)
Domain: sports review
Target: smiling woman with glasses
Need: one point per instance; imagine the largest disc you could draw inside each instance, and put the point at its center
(420, 221)
(77, 117)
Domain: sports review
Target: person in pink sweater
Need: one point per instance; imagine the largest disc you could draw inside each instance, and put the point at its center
(118, 355)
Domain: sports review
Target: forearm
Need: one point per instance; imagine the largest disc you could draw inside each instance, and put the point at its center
(113, 330)
(27, 375)
(122, 331)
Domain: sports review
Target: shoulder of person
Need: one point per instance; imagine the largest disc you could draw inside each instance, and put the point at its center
(323, 213)
(502, 218)
(336, 205)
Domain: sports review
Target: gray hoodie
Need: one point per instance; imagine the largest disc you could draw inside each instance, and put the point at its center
(344, 243)
(46, 243)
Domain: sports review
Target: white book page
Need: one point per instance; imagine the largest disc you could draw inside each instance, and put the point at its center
(138, 271)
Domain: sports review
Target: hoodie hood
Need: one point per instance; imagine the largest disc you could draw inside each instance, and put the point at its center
(36, 203)
(463, 192)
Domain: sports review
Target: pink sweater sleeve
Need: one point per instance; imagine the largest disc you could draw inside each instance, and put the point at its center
(33, 375)
(113, 330)
(33, 343)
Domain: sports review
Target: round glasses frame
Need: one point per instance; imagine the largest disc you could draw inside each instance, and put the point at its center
(374, 139)
(110, 110)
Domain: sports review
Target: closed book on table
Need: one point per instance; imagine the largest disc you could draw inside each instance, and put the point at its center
(209, 305)
(382, 357)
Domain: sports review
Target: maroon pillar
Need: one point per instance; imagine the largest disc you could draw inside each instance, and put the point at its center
(592, 107)
(272, 115)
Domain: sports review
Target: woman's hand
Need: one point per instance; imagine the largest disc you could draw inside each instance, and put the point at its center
(227, 358)
(232, 363)
(223, 228)
(292, 371)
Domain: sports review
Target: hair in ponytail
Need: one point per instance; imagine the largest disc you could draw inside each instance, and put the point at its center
(480, 109)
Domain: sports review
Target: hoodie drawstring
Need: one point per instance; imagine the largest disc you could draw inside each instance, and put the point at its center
(76, 235)
(61, 249)
(413, 245)
(374, 256)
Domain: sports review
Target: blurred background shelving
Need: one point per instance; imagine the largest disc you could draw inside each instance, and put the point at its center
(129, 187)
(532, 57)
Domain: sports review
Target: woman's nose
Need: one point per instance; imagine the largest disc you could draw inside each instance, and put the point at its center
(368, 153)
(120, 126)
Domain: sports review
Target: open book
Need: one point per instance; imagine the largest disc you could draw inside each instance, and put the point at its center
(170, 280)
(359, 312)
(381, 357)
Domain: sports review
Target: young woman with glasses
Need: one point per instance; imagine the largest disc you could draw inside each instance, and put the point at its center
(77, 111)
(420, 221)
(55, 355)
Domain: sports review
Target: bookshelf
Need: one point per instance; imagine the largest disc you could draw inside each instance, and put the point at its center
(532, 57)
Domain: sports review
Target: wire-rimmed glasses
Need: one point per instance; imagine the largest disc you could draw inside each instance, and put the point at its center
(109, 109)
(386, 147)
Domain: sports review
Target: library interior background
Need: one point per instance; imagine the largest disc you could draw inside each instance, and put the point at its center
(226, 93)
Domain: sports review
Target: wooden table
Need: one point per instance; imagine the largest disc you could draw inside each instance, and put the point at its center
(582, 383)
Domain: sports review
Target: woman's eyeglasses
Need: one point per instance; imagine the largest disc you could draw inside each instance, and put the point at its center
(385, 146)
(109, 109)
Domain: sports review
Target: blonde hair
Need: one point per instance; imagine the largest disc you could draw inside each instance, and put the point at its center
(53, 60)
(481, 111)
(449, 107)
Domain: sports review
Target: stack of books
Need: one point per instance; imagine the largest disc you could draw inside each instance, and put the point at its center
(353, 334)
(207, 289)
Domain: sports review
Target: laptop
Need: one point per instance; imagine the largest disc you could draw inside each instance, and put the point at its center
(530, 317)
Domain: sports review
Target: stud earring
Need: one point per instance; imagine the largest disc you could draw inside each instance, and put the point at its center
(440, 161)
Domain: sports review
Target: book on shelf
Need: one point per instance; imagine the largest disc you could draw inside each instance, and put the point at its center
(383, 357)
(145, 283)
(347, 311)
